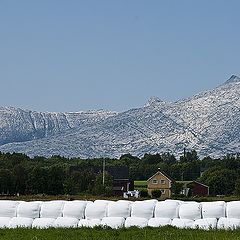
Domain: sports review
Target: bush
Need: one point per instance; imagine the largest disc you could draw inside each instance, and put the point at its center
(156, 193)
(144, 193)
(177, 188)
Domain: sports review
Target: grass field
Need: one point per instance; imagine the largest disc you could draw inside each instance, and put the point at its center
(139, 185)
(166, 233)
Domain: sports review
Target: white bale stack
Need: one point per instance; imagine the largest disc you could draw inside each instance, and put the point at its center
(228, 223)
(205, 223)
(51, 209)
(126, 201)
(90, 223)
(29, 209)
(4, 222)
(113, 222)
(159, 222)
(96, 210)
(151, 200)
(182, 223)
(174, 200)
(233, 209)
(213, 209)
(103, 201)
(43, 223)
(143, 209)
(136, 222)
(167, 209)
(119, 209)
(190, 211)
(8, 208)
(20, 222)
(66, 222)
(74, 209)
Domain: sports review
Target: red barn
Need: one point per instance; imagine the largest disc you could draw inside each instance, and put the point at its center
(198, 189)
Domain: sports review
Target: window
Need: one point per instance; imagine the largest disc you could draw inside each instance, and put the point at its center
(163, 191)
(163, 182)
(155, 181)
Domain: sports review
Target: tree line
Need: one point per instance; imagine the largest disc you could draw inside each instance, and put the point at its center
(39, 175)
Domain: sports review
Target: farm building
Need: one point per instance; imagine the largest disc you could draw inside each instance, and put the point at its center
(198, 189)
(160, 181)
(195, 188)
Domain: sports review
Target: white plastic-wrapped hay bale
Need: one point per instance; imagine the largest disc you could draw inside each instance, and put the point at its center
(96, 210)
(167, 209)
(143, 209)
(113, 222)
(174, 201)
(4, 222)
(182, 223)
(228, 223)
(43, 223)
(213, 209)
(90, 223)
(190, 211)
(205, 223)
(151, 200)
(119, 209)
(136, 222)
(233, 209)
(74, 209)
(8, 208)
(66, 222)
(126, 201)
(29, 209)
(159, 222)
(20, 222)
(102, 201)
(51, 209)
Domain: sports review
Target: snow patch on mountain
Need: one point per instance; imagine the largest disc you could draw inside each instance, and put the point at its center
(208, 122)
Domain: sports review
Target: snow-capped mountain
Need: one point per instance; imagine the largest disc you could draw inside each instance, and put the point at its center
(208, 122)
(17, 125)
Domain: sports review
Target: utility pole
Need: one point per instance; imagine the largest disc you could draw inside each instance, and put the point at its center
(103, 176)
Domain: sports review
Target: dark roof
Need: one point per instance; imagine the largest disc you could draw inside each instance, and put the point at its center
(118, 172)
(204, 185)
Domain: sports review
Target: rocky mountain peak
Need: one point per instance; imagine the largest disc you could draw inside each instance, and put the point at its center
(153, 101)
(233, 79)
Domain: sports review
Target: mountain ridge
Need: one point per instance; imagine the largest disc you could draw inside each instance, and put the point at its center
(207, 122)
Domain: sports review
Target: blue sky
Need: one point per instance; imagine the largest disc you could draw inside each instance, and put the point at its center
(60, 55)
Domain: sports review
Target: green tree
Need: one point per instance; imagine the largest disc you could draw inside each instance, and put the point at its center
(69, 186)
(38, 180)
(176, 188)
(105, 189)
(220, 181)
(143, 193)
(156, 193)
(20, 178)
(6, 181)
(56, 177)
(237, 187)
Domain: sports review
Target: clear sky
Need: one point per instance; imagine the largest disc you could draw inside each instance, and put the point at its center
(59, 55)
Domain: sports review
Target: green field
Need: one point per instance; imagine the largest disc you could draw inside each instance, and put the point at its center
(139, 185)
(166, 233)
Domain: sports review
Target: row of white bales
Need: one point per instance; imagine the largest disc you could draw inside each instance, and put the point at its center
(122, 213)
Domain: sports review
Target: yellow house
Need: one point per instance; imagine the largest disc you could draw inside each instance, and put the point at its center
(160, 181)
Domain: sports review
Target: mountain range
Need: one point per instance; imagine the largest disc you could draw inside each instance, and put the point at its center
(208, 122)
